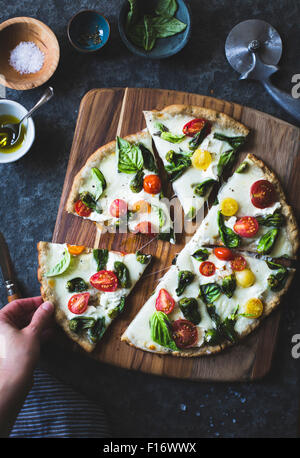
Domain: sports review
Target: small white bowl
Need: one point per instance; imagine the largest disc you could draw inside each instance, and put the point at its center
(9, 107)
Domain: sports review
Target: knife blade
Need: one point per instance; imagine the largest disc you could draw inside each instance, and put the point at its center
(7, 271)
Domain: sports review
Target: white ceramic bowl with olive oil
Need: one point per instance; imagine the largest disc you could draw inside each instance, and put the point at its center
(10, 112)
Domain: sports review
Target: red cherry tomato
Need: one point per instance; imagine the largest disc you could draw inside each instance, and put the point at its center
(81, 209)
(118, 208)
(194, 126)
(152, 184)
(225, 254)
(185, 333)
(247, 226)
(262, 194)
(79, 303)
(145, 227)
(207, 268)
(104, 280)
(238, 263)
(164, 302)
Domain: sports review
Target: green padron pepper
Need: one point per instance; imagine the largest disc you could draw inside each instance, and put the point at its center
(136, 184)
(185, 278)
(76, 285)
(123, 275)
(190, 309)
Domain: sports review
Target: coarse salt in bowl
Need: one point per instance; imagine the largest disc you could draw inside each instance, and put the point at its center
(27, 57)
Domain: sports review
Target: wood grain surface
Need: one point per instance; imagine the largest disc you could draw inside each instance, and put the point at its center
(103, 113)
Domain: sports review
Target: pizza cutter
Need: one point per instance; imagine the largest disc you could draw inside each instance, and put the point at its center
(253, 48)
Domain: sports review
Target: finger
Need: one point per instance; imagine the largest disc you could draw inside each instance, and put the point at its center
(19, 312)
(41, 319)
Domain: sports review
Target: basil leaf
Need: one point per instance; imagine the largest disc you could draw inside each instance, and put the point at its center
(267, 241)
(201, 189)
(148, 158)
(76, 285)
(117, 310)
(172, 138)
(242, 167)
(88, 200)
(149, 34)
(277, 281)
(190, 309)
(136, 34)
(61, 266)
(166, 8)
(161, 128)
(226, 159)
(185, 278)
(95, 332)
(161, 215)
(161, 330)
(80, 323)
(275, 220)
(143, 258)
(123, 275)
(133, 13)
(164, 27)
(209, 292)
(178, 164)
(136, 184)
(101, 258)
(199, 136)
(130, 157)
(224, 330)
(98, 183)
(234, 142)
(228, 237)
(229, 285)
(201, 255)
(191, 214)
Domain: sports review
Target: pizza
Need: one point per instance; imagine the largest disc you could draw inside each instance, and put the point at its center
(196, 145)
(251, 212)
(119, 188)
(87, 287)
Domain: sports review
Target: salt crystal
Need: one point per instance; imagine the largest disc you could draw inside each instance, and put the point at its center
(26, 57)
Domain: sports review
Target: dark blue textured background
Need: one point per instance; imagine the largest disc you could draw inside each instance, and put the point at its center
(140, 405)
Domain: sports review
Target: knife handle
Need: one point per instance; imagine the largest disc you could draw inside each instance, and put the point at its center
(12, 292)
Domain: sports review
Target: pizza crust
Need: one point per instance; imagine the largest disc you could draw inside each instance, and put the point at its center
(221, 119)
(47, 295)
(93, 161)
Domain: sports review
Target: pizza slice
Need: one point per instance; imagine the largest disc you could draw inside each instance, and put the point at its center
(251, 213)
(208, 300)
(87, 287)
(195, 144)
(119, 188)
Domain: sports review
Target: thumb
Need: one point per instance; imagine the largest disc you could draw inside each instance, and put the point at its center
(41, 319)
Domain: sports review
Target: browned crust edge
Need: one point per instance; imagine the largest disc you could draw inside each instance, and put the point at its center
(93, 161)
(200, 112)
(47, 295)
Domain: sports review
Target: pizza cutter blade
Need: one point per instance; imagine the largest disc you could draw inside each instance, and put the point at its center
(253, 48)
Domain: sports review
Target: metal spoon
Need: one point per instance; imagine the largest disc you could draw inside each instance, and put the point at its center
(11, 132)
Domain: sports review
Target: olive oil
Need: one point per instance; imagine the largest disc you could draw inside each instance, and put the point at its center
(5, 138)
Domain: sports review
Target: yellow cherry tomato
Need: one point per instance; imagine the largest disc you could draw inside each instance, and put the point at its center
(141, 206)
(201, 159)
(245, 278)
(254, 308)
(229, 206)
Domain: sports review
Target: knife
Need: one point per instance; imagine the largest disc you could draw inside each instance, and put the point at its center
(7, 271)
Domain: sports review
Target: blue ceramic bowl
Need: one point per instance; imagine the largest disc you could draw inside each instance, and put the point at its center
(164, 47)
(88, 31)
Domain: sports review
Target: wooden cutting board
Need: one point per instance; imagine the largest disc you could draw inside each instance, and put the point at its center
(103, 113)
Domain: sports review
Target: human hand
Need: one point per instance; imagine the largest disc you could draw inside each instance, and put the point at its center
(24, 324)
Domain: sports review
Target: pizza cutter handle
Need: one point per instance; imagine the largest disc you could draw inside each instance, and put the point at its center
(285, 100)
(12, 291)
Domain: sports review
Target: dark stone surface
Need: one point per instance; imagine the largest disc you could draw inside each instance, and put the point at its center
(140, 405)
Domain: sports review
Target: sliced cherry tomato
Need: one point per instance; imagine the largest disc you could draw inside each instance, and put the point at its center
(81, 209)
(145, 227)
(118, 208)
(152, 184)
(78, 303)
(262, 194)
(185, 333)
(238, 263)
(164, 302)
(225, 254)
(141, 206)
(207, 268)
(194, 126)
(247, 226)
(75, 249)
(104, 280)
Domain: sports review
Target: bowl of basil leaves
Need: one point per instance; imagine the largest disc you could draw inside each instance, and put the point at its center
(155, 29)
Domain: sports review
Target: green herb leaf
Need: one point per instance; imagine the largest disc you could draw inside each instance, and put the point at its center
(133, 13)
(123, 275)
(228, 237)
(199, 136)
(226, 159)
(101, 258)
(234, 142)
(201, 189)
(76, 285)
(277, 281)
(143, 258)
(275, 220)
(130, 157)
(166, 8)
(185, 278)
(61, 266)
(172, 138)
(149, 160)
(98, 183)
(210, 292)
(164, 27)
(201, 255)
(80, 323)
(242, 167)
(88, 200)
(229, 285)
(191, 214)
(161, 330)
(117, 310)
(190, 309)
(136, 184)
(150, 34)
(95, 332)
(267, 241)
(178, 164)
